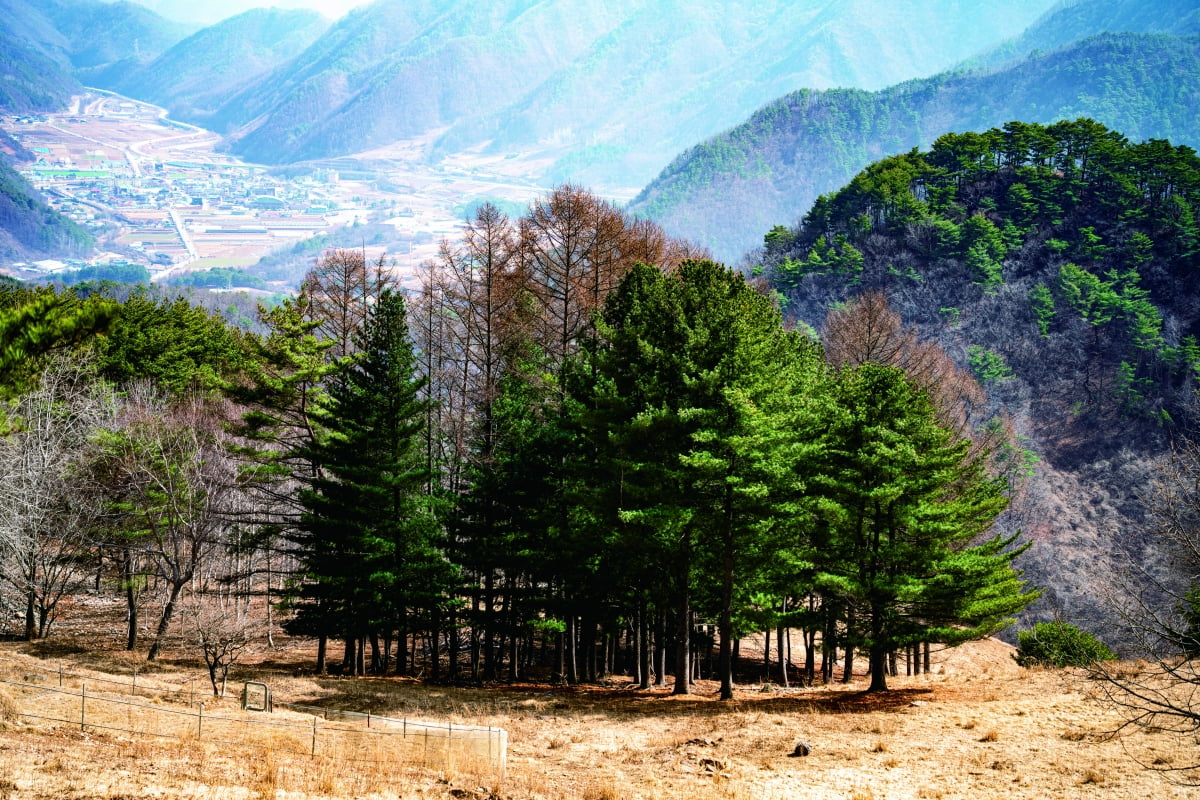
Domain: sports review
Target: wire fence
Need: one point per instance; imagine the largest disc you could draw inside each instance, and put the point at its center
(160, 709)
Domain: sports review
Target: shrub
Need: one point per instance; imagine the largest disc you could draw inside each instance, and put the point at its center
(1059, 644)
(10, 712)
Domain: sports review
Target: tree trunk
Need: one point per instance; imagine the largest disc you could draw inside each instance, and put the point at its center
(489, 626)
(645, 651)
(725, 624)
(848, 672)
(322, 646)
(660, 648)
(30, 616)
(572, 649)
(879, 653)
(165, 620)
(131, 608)
(683, 646)
(810, 665)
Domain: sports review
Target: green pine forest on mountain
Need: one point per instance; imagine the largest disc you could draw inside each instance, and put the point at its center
(583, 448)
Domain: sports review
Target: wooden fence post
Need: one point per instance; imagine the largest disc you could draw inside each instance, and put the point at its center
(83, 707)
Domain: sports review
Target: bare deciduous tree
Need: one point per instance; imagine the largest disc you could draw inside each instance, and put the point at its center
(169, 483)
(341, 287)
(45, 518)
(223, 635)
(1157, 603)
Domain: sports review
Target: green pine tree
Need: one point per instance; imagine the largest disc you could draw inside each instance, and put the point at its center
(375, 560)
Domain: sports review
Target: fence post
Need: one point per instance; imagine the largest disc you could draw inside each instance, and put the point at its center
(200, 722)
(314, 739)
(83, 707)
(133, 686)
(60, 674)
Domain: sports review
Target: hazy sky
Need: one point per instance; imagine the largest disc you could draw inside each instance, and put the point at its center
(210, 11)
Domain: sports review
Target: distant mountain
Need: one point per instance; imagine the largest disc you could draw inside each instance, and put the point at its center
(194, 77)
(46, 47)
(608, 91)
(1073, 20)
(211, 12)
(1061, 265)
(99, 33)
(729, 190)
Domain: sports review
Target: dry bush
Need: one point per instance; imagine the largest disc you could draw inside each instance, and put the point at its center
(990, 736)
(10, 712)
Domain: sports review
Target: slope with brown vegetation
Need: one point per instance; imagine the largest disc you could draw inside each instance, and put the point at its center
(977, 727)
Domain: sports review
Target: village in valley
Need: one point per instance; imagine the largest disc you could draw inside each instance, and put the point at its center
(158, 194)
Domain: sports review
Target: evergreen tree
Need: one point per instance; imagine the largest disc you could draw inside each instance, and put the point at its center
(687, 400)
(903, 499)
(374, 561)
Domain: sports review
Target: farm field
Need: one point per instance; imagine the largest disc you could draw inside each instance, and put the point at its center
(978, 727)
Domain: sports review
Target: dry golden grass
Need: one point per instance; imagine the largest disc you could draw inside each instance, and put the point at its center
(961, 732)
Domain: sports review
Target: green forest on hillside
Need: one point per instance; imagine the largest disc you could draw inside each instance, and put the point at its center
(725, 191)
(1085, 239)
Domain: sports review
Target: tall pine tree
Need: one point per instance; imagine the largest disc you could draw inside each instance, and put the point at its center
(374, 562)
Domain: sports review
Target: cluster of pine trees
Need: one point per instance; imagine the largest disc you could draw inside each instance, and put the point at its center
(1068, 232)
(577, 448)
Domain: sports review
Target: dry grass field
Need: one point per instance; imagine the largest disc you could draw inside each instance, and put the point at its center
(979, 727)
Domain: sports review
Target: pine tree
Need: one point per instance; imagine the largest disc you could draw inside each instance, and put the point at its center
(688, 398)
(903, 500)
(374, 561)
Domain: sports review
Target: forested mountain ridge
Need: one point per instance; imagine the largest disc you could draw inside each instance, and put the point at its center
(609, 93)
(28, 226)
(87, 37)
(1073, 20)
(1061, 264)
(724, 192)
(195, 76)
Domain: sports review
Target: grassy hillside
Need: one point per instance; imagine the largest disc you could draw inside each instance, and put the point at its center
(978, 728)
(1061, 265)
(726, 191)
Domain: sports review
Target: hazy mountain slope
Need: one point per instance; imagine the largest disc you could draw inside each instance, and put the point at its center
(211, 12)
(1062, 266)
(624, 82)
(195, 76)
(728, 190)
(99, 33)
(33, 81)
(617, 113)
(47, 46)
(1073, 20)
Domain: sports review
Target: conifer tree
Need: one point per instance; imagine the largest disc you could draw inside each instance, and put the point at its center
(904, 501)
(689, 410)
(374, 560)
